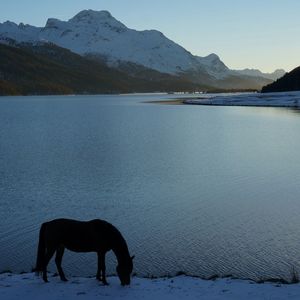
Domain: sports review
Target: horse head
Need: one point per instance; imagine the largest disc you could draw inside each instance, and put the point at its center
(124, 271)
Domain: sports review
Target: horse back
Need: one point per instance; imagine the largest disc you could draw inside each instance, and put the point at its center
(79, 236)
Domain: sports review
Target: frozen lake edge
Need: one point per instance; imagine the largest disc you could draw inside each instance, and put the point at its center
(29, 286)
(283, 99)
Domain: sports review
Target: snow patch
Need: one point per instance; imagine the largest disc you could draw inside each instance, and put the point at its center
(284, 99)
(28, 286)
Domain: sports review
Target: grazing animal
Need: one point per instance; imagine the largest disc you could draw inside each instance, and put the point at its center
(92, 236)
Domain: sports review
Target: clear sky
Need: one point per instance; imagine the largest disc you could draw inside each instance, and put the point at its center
(263, 34)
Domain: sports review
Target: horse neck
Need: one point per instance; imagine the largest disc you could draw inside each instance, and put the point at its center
(121, 251)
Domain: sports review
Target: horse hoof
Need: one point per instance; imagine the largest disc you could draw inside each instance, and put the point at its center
(64, 279)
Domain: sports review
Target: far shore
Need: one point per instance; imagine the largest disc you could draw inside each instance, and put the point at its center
(283, 100)
(168, 102)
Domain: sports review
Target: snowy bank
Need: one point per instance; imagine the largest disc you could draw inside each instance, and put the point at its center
(28, 286)
(284, 99)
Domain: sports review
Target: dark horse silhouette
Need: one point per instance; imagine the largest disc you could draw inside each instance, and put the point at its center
(91, 236)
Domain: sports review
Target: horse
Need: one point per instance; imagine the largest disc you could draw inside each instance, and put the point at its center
(91, 236)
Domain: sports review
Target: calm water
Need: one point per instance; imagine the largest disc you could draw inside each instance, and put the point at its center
(205, 190)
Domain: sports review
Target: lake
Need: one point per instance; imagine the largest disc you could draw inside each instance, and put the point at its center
(200, 189)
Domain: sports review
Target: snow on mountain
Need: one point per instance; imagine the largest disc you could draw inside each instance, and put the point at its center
(20, 33)
(254, 72)
(214, 66)
(98, 33)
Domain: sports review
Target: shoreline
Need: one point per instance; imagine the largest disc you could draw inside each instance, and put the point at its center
(269, 100)
(283, 100)
(277, 280)
(243, 105)
(29, 286)
(167, 102)
(212, 103)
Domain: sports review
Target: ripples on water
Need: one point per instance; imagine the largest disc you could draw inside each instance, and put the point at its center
(205, 190)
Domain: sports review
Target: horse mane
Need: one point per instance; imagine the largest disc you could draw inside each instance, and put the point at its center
(118, 243)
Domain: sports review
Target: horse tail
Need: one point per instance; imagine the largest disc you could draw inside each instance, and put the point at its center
(41, 251)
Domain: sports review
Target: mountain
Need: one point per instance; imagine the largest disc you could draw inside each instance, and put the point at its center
(257, 73)
(93, 32)
(289, 82)
(44, 68)
(98, 35)
(214, 66)
(31, 70)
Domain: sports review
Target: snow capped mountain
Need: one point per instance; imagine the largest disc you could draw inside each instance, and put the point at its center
(91, 32)
(98, 33)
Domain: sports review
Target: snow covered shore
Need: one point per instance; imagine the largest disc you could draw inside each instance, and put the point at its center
(28, 286)
(284, 99)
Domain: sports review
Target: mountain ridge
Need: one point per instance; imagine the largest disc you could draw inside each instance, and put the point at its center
(255, 72)
(100, 35)
(99, 32)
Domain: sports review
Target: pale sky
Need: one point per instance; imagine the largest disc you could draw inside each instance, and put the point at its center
(262, 34)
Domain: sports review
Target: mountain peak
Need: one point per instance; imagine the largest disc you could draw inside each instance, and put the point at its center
(257, 73)
(89, 14)
(9, 23)
(52, 23)
(101, 18)
(213, 56)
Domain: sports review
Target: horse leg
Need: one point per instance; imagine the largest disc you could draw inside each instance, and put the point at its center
(101, 268)
(48, 256)
(58, 259)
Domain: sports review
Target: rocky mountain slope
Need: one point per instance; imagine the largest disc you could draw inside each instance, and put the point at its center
(48, 69)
